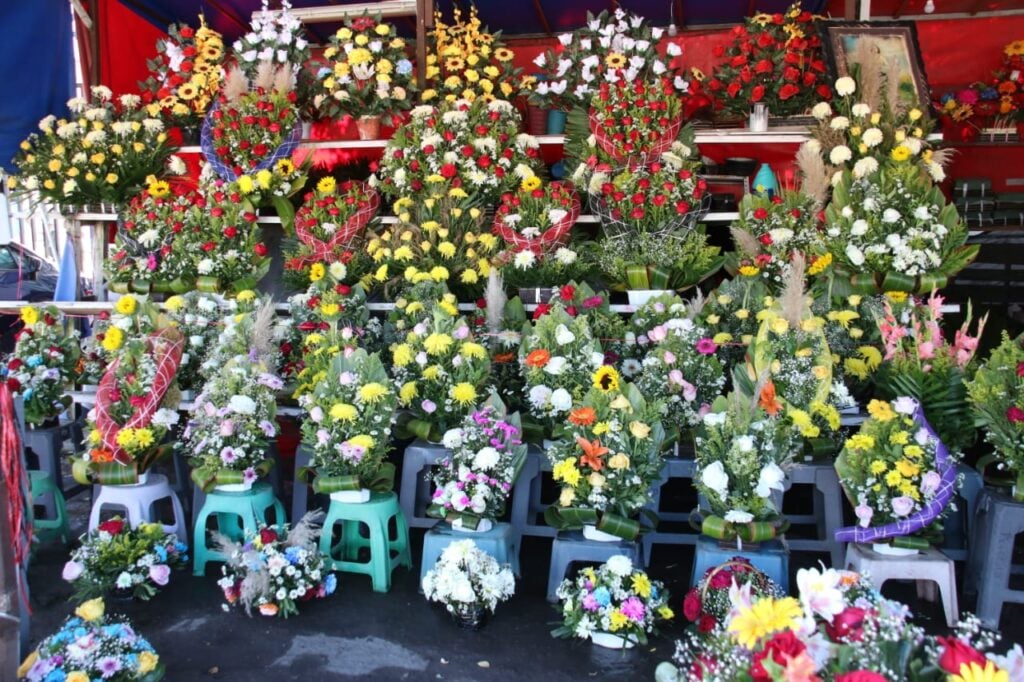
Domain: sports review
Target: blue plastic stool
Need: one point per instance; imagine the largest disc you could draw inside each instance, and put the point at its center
(501, 542)
(238, 514)
(771, 558)
(990, 566)
(386, 552)
(827, 513)
(674, 467)
(959, 523)
(570, 547)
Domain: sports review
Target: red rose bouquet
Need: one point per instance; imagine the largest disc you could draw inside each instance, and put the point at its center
(635, 122)
(185, 74)
(537, 217)
(42, 364)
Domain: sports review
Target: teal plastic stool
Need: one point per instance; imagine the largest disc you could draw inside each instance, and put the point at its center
(501, 542)
(386, 551)
(42, 486)
(238, 514)
(770, 557)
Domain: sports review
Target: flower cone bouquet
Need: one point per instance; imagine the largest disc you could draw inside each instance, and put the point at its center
(42, 364)
(635, 122)
(348, 431)
(485, 456)
(185, 74)
(608, 460)
(996, 394)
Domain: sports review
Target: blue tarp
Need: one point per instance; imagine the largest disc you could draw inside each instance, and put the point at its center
(36, 67)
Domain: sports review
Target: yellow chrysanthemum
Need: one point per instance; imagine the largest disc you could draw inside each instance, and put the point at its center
(472, 350)
(566, 471)
(29, 315)
(464, 393)
(618, 620)
(860, 441)
(531, 183)
(329, 309)
(326, 185)
(748, 270)
(893, 478)
(881, 411)
(112, 339)
(317, 272)
(437, 344)
(343, 412)
(407, 392)
(642, 585)
(432, 373)
(401, 355)
(764, 617)
(126, 305)
(372, 392)
(877, 467)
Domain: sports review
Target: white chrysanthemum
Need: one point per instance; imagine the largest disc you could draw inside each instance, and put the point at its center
(860, 110)
(872, 137)
(524, 260)
(565, 256)
(846, 86)
(840, 155)
(620, 565)
(821, 111)
(865, 167)
(839, 123)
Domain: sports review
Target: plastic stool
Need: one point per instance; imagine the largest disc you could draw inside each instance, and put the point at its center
(501, 542)
(570, 547)
(827, 514)
(45, 444)
(527, 504)
(770, 557)
(42, 486)
(959, 523)
(137, 501)
(415, 488)
(674, 467)
(998, 520)
(239, 515)
(930, 565)
(386, 551)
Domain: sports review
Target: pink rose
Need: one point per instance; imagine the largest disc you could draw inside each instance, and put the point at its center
(227, 427)
(676, 377)
(930, 483)
(160, 574)
(657, 334)
(669, 357)
(689, 391)
(72, 570)
(902, 505)
(864, 514)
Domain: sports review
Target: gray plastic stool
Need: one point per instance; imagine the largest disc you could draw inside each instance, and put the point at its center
(532, 477)
(827, 514)
(570, 547)
(959, 523)
(414, 494)
(998, 520)
(501, 542)
(46, 445)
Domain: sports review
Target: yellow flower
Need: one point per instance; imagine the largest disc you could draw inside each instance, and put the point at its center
(246, 184)
(779, 326)
(317, 272)
(566, 497)
(29, 315)
(615, 60)
(908, 468)
(126, 305)
(872, 356)
(446, 249)
(748, 271)
(147, 662)
(893, 478)
(766, 616)
(401, 354)
(407, 392)
(639, 429)
(914, 451)
(79, 676)
(642, 585)
(877, 467)
(432, 373)
(27, 664)
(896, 296)
(326, 185)
(529, 184)
(372, 392)
(618, 620)
(143, 438)
(91, 610)
(820, 264)
(285, 167)
(899, 438)
(666, 613)
(881, 411)
(364, 441)
(263, 178)
(343, 412)
(566, 471)
(112, 339)
(437, 344)
(900, 153)
(438, 273)
(722, 338)
(382, 29)
(860, 441)
(473, 350)
(619, 461)
(464, 393)
(606, 379)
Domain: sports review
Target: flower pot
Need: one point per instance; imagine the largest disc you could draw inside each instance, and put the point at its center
(592, 533)
(637, 297)
(482, 527)
(368, 127)
(469, 617)
(612, 641)
(888, 550)
(351, 496)
(556, 122)
(234, 487)
(758, 121)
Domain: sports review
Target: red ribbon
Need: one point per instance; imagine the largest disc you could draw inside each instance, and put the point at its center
(556, 234)
(323, 251)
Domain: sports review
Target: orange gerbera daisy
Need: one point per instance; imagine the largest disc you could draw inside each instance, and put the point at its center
(583, 416)
(102, 455)
(593, 451)
(538, 358)
(768, 401)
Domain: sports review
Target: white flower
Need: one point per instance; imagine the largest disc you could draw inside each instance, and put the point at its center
(563, 336)
(872, 137)
(922, 213)
(565, 256)
(846, 86)
(840, 155)
(242, 404)
(524, 259)
(486, 458)
(936, 171)
(913, 144)
(890, 215)
(452, 438)
(556, 365)
(738, 516)
(176, 165)
(839, 123)
(854, 255)
(715, 478)
(620, 565)
(771, 478)
(865, 167)
(205, 266)
(714, 419)
(165, 417)
(149, 237)
(905, 405)
(821, 111)
(781, 235)
(814, 146)
(540, 396)
(860, 110)
(820, 593)
(859, 227)
(561, 400)
(338, 270)
(744, 443)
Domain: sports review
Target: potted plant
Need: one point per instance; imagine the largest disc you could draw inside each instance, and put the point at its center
(996, 394)
(469, 582)
(42, 365)
(124, 560)
(615, 605)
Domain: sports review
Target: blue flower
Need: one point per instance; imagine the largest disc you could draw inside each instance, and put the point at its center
(292, 555)
(404, 67)
(34, 360)
(55, 676)
(162, 553)
(654, 592)
(80, 632)
(331, 584)
(603, 596)
(27, 395)
(180, 546)
(989, 94)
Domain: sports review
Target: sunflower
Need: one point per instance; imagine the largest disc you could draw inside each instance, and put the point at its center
(188, 91)
(973, 672)
(1014, 49)
(606, 379)
(454, 63)
(503, 54)
(762, 19)
(615, 60)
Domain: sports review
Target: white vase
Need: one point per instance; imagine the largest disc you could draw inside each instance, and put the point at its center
(351, 496)
(612, 641)
(758, 122)
(637, 297)
(888, 550)
(482, 527)
(234, 487)
(592, 533)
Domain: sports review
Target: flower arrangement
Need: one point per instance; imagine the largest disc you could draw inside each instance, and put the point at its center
(996, 394)
(135, 408)
(527, 269)
(742, 456)
(731, 316)
(965, 655)
(42, 364)
(968, 111)
(892, 473)
(538, 217)
(894, 231)
(486, 454)
(103, 154)
(90, 646)
(475, 147)
(607, 460)
(118, 557)
(441, 371)
(658, 311)
(367, 71)
(276, 37)
(185, 74)
(612, 47)
(709, 603)
(681, 371)
(614, 598)
(649, 260)
(276, 569)
(232, 422)
(634, 122)
(557, 356)
(417, 304)
(606, 326)
(243, 329)
(197, 316)
(465, 61)
(774, 59)
(851, 332)
(348, 432)
(469, 582)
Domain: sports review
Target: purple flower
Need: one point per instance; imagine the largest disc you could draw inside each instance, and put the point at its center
(249, 475)
(902, 505)
(461, 332)
(72, 570)
(633, 609)
(268, 428)
(930, 483)
(108, 666)
(160, 574)
(706, 346)
(322, 437)
(428, 406)
(271, 381)
(352, 453)
(590, 604)
(228, 455)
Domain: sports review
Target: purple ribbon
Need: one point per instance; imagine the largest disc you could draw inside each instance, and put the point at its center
(227, 172)
(928, 513)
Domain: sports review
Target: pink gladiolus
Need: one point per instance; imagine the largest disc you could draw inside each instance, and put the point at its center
(926, 350)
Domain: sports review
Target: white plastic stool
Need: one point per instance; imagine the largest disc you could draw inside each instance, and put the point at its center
(137, 502)
(931, 565)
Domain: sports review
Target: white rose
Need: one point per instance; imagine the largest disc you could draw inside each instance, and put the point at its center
(563, 336)
(891, 215)
(561, 400)
(715, 478)
(859, 227)
(854, 255)
(770, 479)
(556, 365)
(242, 404)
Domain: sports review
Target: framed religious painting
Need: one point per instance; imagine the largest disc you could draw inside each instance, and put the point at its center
(893, 42)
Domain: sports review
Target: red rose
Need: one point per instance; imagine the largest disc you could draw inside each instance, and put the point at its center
(957, 653)
(14, 364)
(765, 239)
(691, 605)
(113, 526)
(780, 648)
(733, 89)
(268, 535)
(761, 213)
(860, 676)
(260, 249)
(541, 310)
(449, 170)
(787, 91)
(763, 66)
(13, 384)
(706, 624)
(848, 625)
(1020, 369)
(231, 232)
(343, 289)
(571, 310)
(1015, 415)
(567, 292)
(186, 32)
(757, 94)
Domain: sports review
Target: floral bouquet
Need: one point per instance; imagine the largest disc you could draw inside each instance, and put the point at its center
(775, 60)
(851, 332)
(897, 475)
(417, 304)
(249, 324)
(42, 364)
(90, 646)
(614, 605)
(475, 479)
(709, 603)
(613, 47)
(894, 231)
(136, 406)
(530, 270)
(580, 299)
(607, 461)
(441, 372)
(537, 218)
(682, 372)
(742, 457)
(103, 155)
(348, 432)
(965, 655)
(469, 582)
(367, 71)
(658, 311)
(116, 557)
(132, 316)
(252, 125)
(276, 568)
(426, 157)
(652, 261)
(331, 218)
(465, 61)
(185, 74)
(276, 37)
(197, 316)
(557, 358)
(635, 122)
(996, 394)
